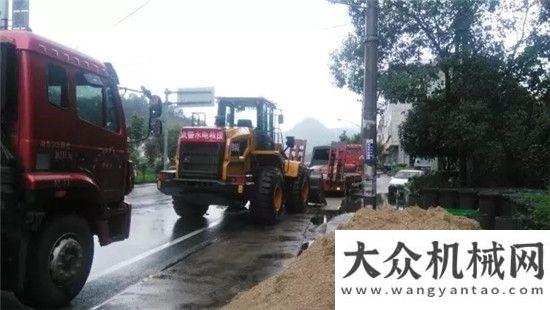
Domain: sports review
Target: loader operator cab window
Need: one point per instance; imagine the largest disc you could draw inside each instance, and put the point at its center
(249, 112)
(245, 117)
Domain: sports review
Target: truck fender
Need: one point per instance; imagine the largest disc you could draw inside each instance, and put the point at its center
(59, 181)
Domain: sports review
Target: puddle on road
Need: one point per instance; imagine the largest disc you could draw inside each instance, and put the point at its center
(277, 256)
(286, 238)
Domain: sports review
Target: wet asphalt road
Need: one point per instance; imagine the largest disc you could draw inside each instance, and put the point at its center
(161, 241)
(158, 238)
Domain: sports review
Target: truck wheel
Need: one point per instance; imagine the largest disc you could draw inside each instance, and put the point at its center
(187, 209)
(299, 193)
(59, 259)
(267, 200)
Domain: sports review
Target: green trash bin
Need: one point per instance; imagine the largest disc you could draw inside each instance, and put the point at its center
(401, 197)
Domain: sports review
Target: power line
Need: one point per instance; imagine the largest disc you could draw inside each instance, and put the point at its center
(132, 13)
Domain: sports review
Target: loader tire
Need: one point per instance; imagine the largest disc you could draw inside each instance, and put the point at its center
(266, 203)
(58, 262)
(299, 193)
(187, 209)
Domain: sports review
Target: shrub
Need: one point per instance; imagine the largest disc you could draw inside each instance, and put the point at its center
(432, 179)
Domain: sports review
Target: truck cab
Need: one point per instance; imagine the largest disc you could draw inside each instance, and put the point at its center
(65, 166)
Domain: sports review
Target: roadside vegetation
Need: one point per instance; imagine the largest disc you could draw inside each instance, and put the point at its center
(147, 155)
(478, 76)
(537, 201)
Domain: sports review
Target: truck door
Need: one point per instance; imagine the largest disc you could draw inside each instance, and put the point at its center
(8, 92)
(100, 141)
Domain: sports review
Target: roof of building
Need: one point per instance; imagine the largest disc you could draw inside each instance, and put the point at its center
(26, 40)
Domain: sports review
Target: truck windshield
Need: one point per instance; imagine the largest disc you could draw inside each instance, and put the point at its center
(320, 156)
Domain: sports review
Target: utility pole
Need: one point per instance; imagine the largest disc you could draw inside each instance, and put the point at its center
(368, 123)
(165, 159)
(4, 14)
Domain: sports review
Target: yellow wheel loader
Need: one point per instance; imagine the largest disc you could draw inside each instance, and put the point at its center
(241, 159)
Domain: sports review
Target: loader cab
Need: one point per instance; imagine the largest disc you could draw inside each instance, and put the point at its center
(258, 114)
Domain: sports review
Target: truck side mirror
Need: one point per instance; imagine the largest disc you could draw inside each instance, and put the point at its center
(290, 142)
(220, 121)
(281, 119)
(155, 107)
(155, 127)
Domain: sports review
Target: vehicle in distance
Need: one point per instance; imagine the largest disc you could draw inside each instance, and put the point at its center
(400, 179)
(338, 165)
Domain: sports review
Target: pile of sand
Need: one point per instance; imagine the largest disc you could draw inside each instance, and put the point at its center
(308, 283)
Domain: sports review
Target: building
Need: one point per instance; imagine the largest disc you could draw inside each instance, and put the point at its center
(388, 134)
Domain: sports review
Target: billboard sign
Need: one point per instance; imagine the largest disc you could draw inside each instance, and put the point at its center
(196, 97)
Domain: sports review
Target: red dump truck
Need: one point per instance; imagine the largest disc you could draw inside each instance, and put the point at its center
(339, 165)
(65, 166)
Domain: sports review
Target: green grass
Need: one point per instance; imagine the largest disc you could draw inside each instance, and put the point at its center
(147, 176)
(541, 207)
(464, 212)
(537, 202)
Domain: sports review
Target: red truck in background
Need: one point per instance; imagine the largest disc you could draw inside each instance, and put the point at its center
(339, 165)
(65, 166)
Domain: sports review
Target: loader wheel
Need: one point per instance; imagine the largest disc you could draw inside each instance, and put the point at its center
(59, 259)
(187, 209)
(267, 200)
(299, 193)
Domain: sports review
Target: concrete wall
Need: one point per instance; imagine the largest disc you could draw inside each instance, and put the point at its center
(388, 132)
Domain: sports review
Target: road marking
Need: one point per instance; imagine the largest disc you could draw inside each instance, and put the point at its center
(110, 299)
(151, 252)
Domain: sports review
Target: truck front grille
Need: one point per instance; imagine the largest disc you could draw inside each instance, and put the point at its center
(200, 160)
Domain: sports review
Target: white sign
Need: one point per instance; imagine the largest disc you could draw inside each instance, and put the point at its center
(451, 269)
(196, 97)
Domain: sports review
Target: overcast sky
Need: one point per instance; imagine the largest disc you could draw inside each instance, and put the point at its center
(278, 49)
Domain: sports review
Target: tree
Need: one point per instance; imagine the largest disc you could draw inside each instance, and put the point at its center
(136, 130)
(478, 100)
(152, 150)
(355, 138)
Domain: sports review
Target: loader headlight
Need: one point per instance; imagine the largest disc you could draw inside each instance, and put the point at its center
(238, 147)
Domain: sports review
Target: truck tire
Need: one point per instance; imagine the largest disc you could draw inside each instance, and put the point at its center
(58, 263)
(8, 192)
(299, 193)
(188, 209)
(266, 203)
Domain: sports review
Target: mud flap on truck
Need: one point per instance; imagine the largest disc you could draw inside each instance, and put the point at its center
(116, 225)
(316, 193)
